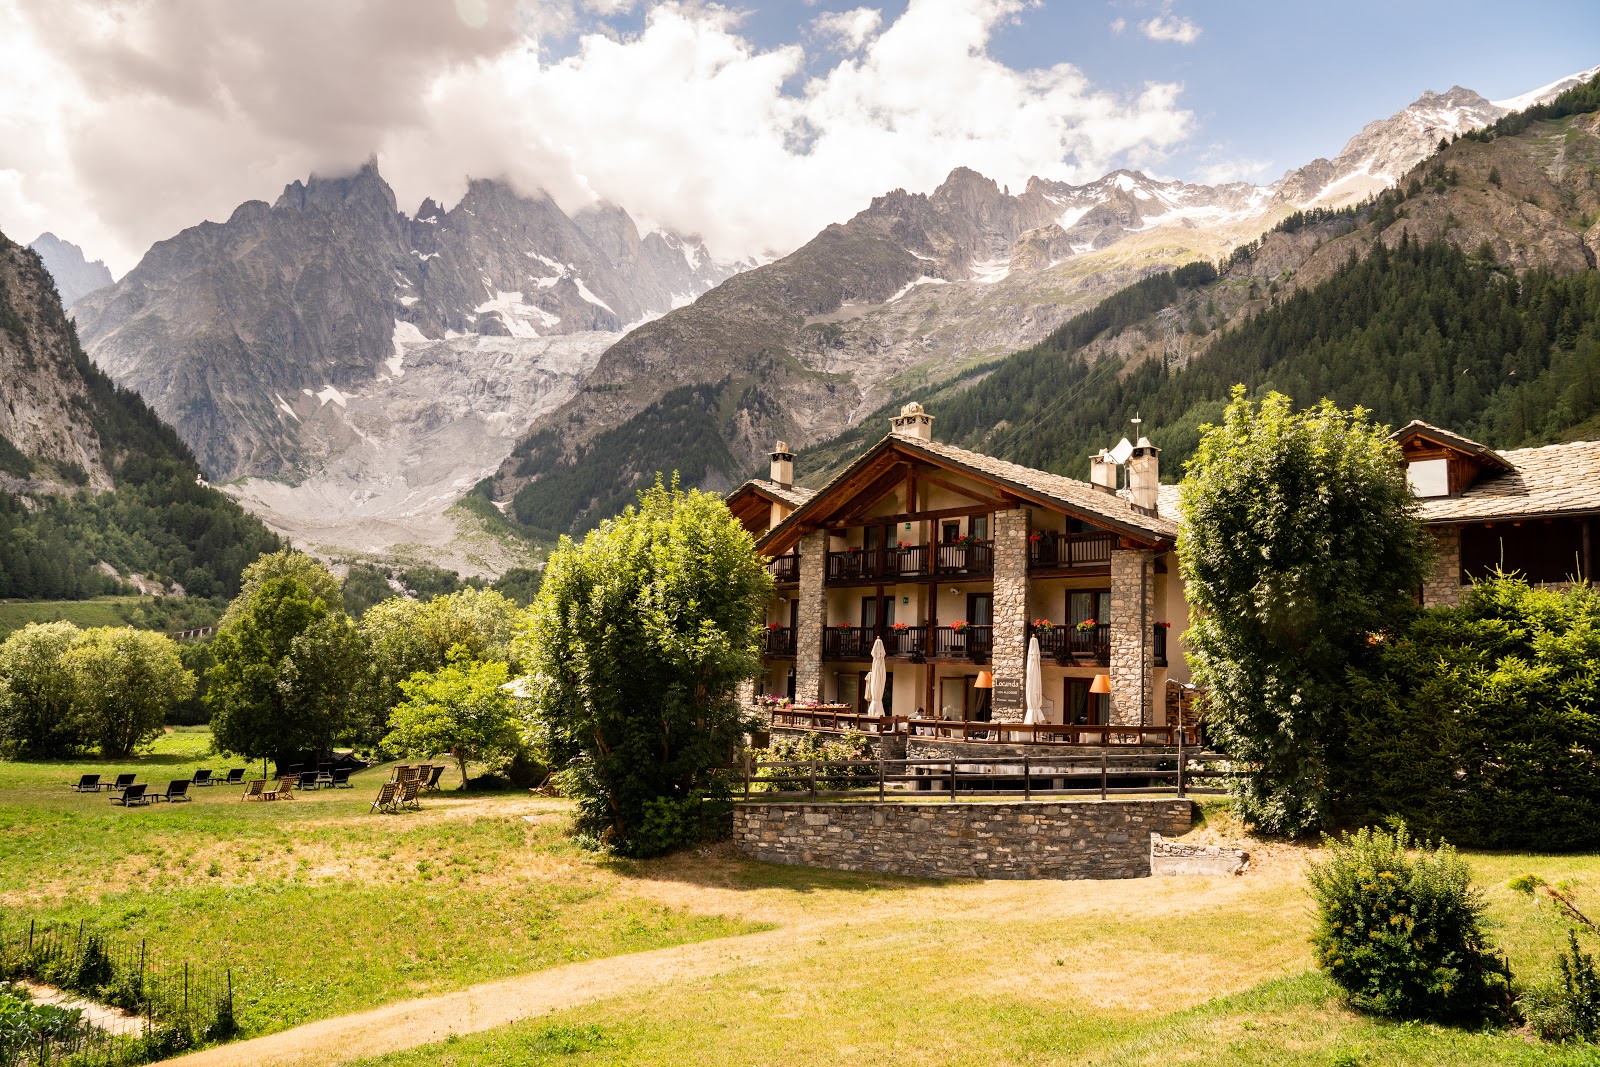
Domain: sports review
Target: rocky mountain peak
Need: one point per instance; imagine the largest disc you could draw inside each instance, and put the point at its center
(75, 275)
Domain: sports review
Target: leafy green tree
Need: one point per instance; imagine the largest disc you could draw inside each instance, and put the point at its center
(363, 587)
(636, 644)
(1300, 540)
(287, 663)
(521, 584)
(460, 708)
(36, 690)
(319, 582)
(407, 636)
(1481, 721)
(124, 681)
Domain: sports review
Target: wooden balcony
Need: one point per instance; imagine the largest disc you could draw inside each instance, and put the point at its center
(1068, 644)
(785, 569)
(779, 642)
(1068, 551)
(966, 559)
(855, 642)
(963, 641)
(886, 564)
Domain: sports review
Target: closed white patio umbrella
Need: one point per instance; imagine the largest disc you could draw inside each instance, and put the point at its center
(1033, 692)
(875, 679)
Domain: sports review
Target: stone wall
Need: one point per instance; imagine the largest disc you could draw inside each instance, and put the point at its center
(1022, 839)
(1176, 857)
(1133, 612)
(1442, 588)
(1009, 656)
(811, 616)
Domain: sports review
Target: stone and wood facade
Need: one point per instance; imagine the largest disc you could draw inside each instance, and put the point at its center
(954, 560)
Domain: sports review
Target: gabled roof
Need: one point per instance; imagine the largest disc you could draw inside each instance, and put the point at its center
(1545, 482)
(792, 495)
(1416, 429)
(1029, 485)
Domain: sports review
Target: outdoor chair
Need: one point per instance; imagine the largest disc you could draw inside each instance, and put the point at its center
(235, 776)
(89, 783)
(339, 778)
(255, 789)
(385, 801)
(123, 781)
(132, 795)
(284, 790)
(400, 770)
(409, 792)
(308, 780)
(203, 777)
(434, 773)
(176, 790)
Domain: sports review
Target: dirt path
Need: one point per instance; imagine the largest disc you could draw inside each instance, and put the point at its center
(410, 1023)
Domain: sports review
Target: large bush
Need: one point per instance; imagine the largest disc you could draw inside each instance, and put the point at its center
(36, 690)
(636, 644)
(124, 682)
(1401, 932)
(1482, 723)
(1300, 538)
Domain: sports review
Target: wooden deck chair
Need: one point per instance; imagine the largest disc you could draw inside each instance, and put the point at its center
(431, 785)
(409, 792)
(202, 777)
(284, 790)
(132, 795)
(88, 783)
(255, 789)
(176, 790)
(385, 801)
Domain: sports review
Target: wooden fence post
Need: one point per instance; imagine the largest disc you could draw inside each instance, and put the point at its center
(1103, 759)
(1027, 780)
(880, 777)
(813, 768)
(952, 781)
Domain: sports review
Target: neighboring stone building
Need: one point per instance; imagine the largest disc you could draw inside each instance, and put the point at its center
(1530, 511)
(954, 559)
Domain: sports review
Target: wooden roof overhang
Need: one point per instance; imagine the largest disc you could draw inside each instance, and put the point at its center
(752, 506)
(844, 501)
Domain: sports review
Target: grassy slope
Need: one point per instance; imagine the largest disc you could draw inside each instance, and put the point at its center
(317, 907)
(171, 615)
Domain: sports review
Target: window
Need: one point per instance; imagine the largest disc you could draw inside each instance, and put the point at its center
(980, 609)
(1429, 477)
(1083, 707)
(1086, 604)
(950, 533)
(978, 526)
(961, 699)
(875, 612)
(790, 686)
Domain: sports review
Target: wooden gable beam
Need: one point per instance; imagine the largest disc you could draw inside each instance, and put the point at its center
(999, 504)
(869, 496)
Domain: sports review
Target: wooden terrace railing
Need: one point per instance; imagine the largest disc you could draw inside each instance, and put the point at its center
(1025, 776)
(780, 641)
(970, 641)
(1066, 644)
(1071, 550)
(785, 569)
(971, 559)
(832, 718)
(840, 718)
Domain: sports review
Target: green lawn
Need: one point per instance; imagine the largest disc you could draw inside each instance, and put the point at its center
(322, 909)
(170, 614)
(318, 907)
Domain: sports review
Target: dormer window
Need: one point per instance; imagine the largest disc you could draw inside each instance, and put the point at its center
(1429, 477)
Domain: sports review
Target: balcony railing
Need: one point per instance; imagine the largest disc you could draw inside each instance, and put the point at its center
(963, 642)
(785, 568)
(780, 641)
(1070, 550)
(857, 564)
(1069, 644)
(855, 642)
(972, 559)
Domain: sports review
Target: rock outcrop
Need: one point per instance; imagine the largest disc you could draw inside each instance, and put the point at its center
(74, 274)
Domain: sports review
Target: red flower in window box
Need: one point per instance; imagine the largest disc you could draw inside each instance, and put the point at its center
(1088, 624)
(1044, 625)
(900, 626)
(1035, 537)
(958, 626)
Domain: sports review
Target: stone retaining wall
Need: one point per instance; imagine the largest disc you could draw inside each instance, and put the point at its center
(1023, 839)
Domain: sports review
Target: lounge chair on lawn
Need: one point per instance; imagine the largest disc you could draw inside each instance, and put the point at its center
(339, 778)
(409, 791)
(89, 783)
(235, 776)
(123, 781)
(284, 790)
(132, 795)
(203, 777)
(431, 785)
(176, 790)
(308, 780)
(385, 801)
(255, 789)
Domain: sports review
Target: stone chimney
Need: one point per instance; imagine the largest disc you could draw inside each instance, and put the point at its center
(1144, 476)
(1103, 472)
(783, 465)
(913, 422)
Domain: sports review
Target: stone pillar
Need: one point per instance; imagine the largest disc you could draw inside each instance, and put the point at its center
(811, 617)
(1442, 588)
(1133, 614)
(1009, 658)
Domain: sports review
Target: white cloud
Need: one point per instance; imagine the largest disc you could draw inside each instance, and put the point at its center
(1118, 25)
(121, 124)
(1233, 170)
(851, 29)
(1169, 27)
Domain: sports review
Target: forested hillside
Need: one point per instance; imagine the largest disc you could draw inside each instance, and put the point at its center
(1466, 297)
(90, 475)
